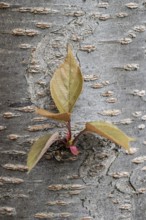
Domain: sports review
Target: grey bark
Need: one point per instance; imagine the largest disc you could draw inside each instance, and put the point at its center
(108, 39)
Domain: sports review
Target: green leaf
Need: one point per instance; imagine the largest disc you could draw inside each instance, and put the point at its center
(39, 148)
(56, 116)
(66, 84)
(111, 132)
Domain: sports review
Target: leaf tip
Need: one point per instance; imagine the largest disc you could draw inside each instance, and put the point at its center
(69, 47)
(36, 110)
(28, 172)
(132, 139)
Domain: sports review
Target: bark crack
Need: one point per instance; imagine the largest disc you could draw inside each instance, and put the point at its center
(130, 182)
(112, 162)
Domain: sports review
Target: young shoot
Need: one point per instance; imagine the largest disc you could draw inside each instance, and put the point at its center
(66, 86)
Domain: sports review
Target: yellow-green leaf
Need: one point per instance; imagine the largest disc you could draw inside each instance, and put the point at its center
(39, 148)
(66, 83)
(111, 132)
(56, 116)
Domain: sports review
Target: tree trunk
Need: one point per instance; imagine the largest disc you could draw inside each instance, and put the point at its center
(109, 42)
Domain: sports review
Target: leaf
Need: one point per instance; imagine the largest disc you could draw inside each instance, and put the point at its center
(56, 116)
(66, 84)
(39, 148)
(109, 131)
(74, 150)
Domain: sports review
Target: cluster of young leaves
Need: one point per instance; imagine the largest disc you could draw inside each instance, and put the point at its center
(66, 86)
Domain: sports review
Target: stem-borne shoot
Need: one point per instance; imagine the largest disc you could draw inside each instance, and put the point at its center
(66, 86)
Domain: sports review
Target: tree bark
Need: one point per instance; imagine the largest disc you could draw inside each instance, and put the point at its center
(108, 40)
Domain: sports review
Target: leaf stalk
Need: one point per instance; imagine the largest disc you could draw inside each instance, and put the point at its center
(77, 136)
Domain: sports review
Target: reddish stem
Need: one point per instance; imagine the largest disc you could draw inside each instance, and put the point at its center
(78, 135)
(69, 130)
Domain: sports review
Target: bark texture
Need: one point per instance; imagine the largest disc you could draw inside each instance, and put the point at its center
(109, 42)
